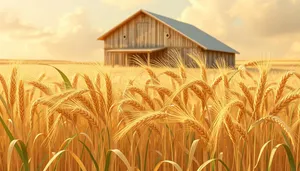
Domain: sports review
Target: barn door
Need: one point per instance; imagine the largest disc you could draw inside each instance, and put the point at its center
(141, 32)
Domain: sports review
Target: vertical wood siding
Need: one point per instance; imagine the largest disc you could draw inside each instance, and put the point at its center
(145, 32)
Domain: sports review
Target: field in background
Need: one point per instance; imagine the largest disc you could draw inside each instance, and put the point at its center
(71, 67)
(127, 118)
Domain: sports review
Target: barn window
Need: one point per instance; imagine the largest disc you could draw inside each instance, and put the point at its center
(168, 35)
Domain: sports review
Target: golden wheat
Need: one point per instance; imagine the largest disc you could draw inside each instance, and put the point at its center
(281, 85)
(145, 96)
(45, 89)
(21, 101)
(13, 87)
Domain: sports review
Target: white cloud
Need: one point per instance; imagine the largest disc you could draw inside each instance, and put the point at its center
(251, 27)
(126, 4)
(16, 28)
(73, 39)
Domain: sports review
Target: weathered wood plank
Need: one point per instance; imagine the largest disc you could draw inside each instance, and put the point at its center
(148, 32)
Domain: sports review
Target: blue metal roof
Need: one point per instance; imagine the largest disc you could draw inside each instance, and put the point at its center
(194, 34)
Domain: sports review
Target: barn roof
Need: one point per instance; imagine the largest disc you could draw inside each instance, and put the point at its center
(191, 32)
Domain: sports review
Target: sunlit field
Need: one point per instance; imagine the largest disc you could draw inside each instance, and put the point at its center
(90, 117)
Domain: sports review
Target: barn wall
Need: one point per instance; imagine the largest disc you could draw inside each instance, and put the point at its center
(144, 32)
(213, 56)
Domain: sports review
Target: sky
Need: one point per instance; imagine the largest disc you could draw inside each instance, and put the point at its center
(68, 29)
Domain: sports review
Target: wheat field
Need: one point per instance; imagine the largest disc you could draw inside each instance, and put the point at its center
(90, 117)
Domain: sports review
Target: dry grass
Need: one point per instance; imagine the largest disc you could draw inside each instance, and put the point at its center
(138, 118)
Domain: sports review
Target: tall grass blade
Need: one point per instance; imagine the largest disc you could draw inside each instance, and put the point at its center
(192, 152)
(24, 154)
(91, 155)
(146, 153)
(261, 151)
(211, 161)
(81, 165)
(21, 151)
(288, 153)
(64, 146)
(123, 158)
(64, 77)
(177, 167)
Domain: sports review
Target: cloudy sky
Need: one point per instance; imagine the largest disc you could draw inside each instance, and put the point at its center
(68, 29)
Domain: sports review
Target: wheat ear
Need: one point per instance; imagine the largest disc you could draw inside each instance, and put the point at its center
(145, 96)
(109, 93)
(183, 74)
(216, 82)
(152, 75)
(13, 87)
(93, 93)
(21, 100)
(45, 89)
(98, 82)
(283, 125)
(247, 94)
(174, 76)
(260, 93)
(282, 84)
(133, 103)
(75, 80)
(4, 86)
(284, 102)
(198, 128)
(230, 128)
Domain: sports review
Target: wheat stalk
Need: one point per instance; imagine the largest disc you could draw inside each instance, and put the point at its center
(198, 128)
(200, 94)
(247, 94)
(145, 96)
(283, 125)
(183, 74)
(133, 103)
(265, 97)
(92, 91)
(174, 76)
(241, 130)
(109, 93)
(45, 89)
(284, 102)
(98, 82)
(75, 80)
(216, 82)
(165, 91)
(87, 115)
(152, 75)
(185, 96)
(147, 119)
(41, 77)
(4, 86)
(34, 107)
(153, 127)
(259, 93)
(230, 128)
(282, 84)
(21, 101)
(86, 103)
(13, 87)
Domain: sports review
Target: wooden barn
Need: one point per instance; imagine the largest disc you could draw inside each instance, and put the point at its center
(154, 37)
